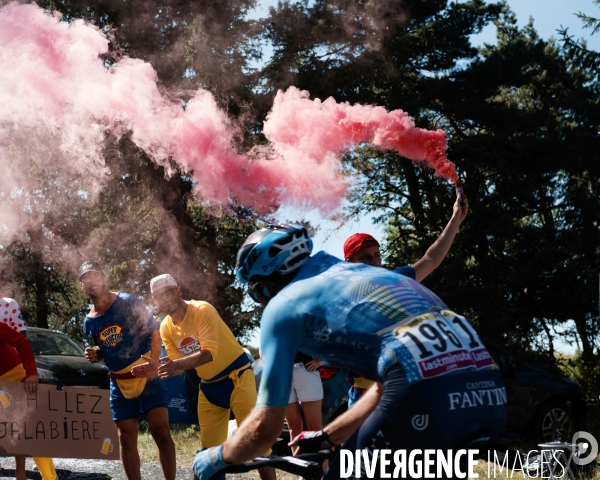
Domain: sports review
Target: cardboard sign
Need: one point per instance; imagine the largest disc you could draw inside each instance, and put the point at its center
(72, 423)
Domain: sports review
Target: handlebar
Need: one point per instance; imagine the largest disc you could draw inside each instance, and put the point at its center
(306, 465)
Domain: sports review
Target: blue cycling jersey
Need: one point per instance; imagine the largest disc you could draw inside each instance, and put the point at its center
(351, 315)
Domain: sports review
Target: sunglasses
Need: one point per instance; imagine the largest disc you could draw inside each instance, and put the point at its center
(251, 287)
(164, 295)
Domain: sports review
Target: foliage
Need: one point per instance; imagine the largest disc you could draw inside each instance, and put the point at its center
(577, 50)
(522, 125)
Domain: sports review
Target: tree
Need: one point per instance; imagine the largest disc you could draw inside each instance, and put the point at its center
(136, 221)
(522, 126)
(521, 118)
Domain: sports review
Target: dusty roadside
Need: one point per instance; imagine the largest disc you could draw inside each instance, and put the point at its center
(77, 469)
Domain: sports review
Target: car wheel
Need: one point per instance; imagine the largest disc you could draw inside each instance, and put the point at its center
(553, 422)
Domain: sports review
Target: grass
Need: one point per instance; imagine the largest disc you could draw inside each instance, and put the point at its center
(187, 442)
(185, 437)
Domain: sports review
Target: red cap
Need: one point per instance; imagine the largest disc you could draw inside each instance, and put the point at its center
(357, 242)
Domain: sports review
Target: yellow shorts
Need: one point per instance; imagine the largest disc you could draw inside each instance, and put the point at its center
(214, 419)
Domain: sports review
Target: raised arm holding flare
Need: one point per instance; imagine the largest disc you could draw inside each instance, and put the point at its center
(363, 248)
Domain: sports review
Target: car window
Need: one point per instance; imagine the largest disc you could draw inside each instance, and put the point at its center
(67, 347)
(52, 343)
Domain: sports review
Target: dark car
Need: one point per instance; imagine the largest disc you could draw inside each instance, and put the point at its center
(60, 361)
(542, 403)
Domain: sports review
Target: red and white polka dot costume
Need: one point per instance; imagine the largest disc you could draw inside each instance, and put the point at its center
(10, 314)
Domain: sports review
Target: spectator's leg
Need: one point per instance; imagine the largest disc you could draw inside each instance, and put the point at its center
(293, 417)
(128, 435)
(214, 421)
(242, 401)
(20, 468)
(158, 421)
(46, 468)
(313, 415)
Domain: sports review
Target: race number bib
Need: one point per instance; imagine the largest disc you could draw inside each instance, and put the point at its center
(440, 342)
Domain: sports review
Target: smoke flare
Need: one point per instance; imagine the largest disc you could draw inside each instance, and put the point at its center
(305, 130)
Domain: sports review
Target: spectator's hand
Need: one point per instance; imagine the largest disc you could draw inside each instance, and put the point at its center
(31, 383)
(313, 365)
(146, 370)
(168, 368)
(90, 354)
(208, 461)
(461, 210)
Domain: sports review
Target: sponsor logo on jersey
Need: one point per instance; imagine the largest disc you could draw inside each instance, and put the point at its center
(111, 335)
(188, 346)
(420, 422)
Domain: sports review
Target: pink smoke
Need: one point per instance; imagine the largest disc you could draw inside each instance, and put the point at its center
(303, 130)
(58, 100)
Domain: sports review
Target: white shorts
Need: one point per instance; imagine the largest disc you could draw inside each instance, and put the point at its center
(306, 386)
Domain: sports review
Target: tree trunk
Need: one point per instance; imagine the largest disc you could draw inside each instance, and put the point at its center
(581, 326)
(41, 293)
(414, 196)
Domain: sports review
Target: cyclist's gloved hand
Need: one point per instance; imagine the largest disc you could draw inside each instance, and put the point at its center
(208, 462)
(310, 441)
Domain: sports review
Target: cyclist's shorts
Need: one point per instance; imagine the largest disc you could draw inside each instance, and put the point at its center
(306, 386)
(442, 413)
(153, 396)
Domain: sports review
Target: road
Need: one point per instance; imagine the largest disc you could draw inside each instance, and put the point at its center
(77, 469)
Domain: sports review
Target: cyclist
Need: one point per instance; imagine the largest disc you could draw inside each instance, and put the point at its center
(436, 385)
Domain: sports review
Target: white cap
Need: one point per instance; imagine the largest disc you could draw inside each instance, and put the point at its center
(162, 281)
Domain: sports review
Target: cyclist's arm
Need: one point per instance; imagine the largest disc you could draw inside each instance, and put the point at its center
(346, 424)
(280, 337)
(437, 252)
(256, 434)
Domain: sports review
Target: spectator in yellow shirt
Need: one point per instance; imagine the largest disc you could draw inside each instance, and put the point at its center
(195, 336)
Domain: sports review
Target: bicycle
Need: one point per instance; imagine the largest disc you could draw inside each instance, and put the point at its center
(309, 465)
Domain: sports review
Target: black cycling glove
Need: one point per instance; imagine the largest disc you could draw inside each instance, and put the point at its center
(311, 441)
